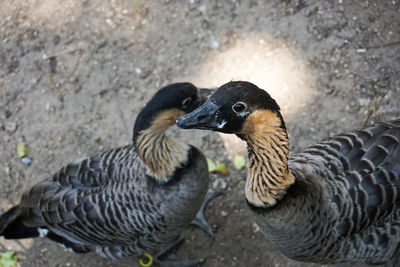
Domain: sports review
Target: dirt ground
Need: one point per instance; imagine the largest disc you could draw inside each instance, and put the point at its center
(74, 75)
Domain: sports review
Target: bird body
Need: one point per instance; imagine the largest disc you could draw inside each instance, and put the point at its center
(126, 201)
(337, 201)
(346, 199)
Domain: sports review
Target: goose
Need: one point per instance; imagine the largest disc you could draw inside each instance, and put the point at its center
(337, 201)
(127, 201)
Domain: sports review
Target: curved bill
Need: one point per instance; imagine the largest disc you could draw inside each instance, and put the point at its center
(204, 117)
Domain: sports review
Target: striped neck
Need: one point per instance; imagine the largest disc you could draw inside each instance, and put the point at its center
(161, 154)
(268, 175)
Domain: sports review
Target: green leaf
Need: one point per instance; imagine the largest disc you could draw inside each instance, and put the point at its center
(221, 168)
(239, 162)
(8, 259)
(216, 168)
(211, 165)
(22, 150)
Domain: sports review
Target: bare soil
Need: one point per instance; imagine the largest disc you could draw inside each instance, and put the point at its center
(74, 75)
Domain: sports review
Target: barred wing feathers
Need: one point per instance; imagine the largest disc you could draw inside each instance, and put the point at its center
(102, 201)
(363, 169)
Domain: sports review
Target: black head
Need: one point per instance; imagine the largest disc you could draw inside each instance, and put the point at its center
(228, 109)
(172, 100)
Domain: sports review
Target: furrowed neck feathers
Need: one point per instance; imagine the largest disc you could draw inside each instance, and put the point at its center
(161, 154)
(268, 150)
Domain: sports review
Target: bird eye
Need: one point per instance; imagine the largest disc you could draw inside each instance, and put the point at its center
(239, 107)
(186, 102)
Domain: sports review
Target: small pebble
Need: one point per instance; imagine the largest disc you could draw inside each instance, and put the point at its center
(110, 22)
(53, 64)
(214, 43)
(56, 40)
(47, 106)
(26, 161)
(219, 183)
(10, 126)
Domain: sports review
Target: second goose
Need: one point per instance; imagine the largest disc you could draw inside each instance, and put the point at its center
(338, 201)
(126, 201)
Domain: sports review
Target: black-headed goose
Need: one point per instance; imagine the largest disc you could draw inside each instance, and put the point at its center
(338, 201)
(127, 201)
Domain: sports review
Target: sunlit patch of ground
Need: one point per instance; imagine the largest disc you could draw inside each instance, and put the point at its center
(272, 65)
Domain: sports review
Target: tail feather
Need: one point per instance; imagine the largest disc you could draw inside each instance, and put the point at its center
(12, 227)
(8, 217)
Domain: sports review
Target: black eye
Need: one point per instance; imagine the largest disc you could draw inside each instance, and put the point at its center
(239, 107)
(186, 102)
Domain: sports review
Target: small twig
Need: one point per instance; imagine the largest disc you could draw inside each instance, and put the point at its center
(373, 108)
(372, 111)
(365, 120)
(383, 45)
(72, 73)
(102, 92)
(66, 51)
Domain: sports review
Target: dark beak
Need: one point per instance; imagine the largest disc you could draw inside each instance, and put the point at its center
(205, 93)
(204, 117)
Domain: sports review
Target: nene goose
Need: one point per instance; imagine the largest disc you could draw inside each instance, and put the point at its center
(338, 201)
(126, 201)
